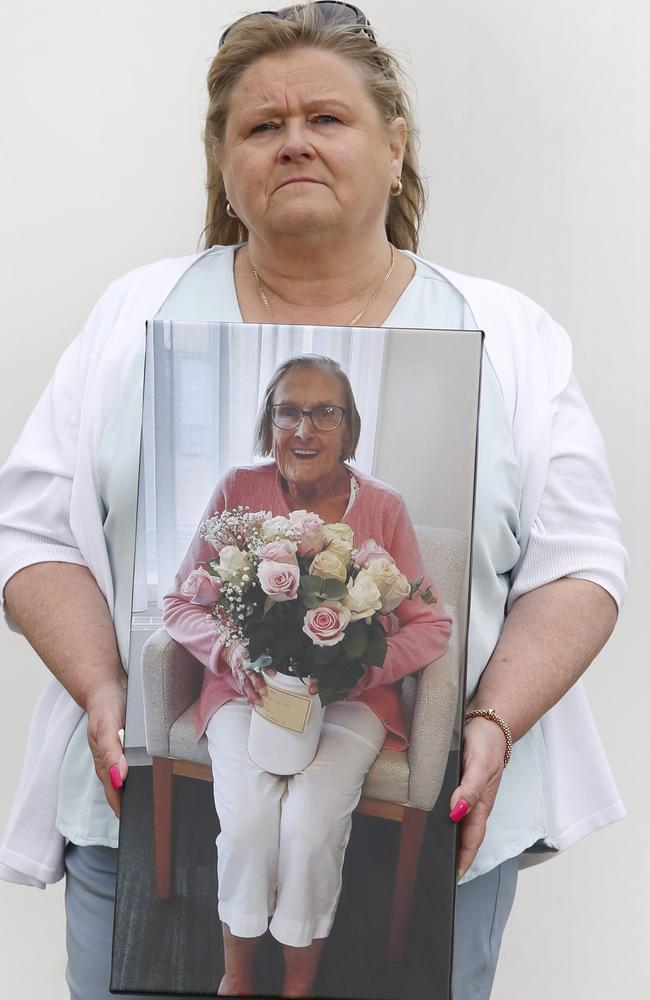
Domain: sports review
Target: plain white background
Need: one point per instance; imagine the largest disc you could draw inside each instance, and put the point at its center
(534, 124)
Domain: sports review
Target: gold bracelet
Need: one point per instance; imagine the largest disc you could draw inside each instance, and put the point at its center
(489, 713)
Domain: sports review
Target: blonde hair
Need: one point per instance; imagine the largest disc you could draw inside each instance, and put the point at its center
(261, 35)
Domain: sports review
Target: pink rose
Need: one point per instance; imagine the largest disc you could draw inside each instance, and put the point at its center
(325, 624)
(279, 580)
(311, 538)
(201, 587)
(282, 551)
(368, 551)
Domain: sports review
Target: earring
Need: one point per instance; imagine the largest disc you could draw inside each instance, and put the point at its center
(396, 191)
(230, 212)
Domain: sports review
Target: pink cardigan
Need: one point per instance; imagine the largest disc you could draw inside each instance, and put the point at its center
(378, 512)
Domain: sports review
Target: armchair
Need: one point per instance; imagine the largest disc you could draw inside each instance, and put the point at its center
(401, 785)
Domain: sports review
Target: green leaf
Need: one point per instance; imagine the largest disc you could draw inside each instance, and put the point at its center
(428, 597)
(269, 604)
(286, 644)
(311, 584)
(377, 645)
(259, 635)
(376, 651)
(325, 654)
(334, 590)
(328, 696)
(260, 630)
(356, 639)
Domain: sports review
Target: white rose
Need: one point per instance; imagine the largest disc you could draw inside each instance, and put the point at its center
(400, 590)
(329, 566)
(233, 564)
(338, 538)
(393, 585)
(275, 527)
(363, 598)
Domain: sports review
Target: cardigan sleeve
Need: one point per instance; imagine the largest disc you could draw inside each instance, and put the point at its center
(424, 629)
(576, 530)
(36, 480)
(186, 617)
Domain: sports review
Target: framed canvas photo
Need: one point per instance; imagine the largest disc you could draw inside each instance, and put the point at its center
(297, 659)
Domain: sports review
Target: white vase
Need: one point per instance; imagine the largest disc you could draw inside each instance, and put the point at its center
(272, 745)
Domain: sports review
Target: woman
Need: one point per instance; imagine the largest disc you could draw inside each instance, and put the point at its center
(311, 159)
(310, 425)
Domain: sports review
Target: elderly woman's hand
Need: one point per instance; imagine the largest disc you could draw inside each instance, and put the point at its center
(251, 684)
(255, 688)
(484, 748)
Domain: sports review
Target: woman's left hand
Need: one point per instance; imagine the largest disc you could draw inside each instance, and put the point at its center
(484, 748)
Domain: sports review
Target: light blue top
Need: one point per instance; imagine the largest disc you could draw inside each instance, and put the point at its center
(206, 293)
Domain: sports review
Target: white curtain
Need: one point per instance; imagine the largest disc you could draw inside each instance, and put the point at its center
(204, 384)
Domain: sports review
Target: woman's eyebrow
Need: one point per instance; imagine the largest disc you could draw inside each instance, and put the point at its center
(272, 109)
(333, 103)
(325, 402)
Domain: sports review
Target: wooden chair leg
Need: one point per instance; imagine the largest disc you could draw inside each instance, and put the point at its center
(162, 823)
(410, 845)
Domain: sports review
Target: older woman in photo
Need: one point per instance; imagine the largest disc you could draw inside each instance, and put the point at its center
(314, 207)
(283, 839)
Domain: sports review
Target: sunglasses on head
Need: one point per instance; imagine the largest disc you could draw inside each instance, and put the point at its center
(328, 10)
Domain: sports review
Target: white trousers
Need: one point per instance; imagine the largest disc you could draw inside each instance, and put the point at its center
(283, 839)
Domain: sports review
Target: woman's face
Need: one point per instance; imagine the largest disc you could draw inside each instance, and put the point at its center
(306, 455)
(305, 149)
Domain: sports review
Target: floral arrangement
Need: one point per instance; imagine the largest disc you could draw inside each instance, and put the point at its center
(299, 594)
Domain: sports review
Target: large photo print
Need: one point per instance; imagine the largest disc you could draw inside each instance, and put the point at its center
(297, 661)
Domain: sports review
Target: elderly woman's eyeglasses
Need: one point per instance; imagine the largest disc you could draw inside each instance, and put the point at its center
(328, 10)
(324, 418)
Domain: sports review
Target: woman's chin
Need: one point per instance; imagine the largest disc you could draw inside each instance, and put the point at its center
(302, 220)
(303, 476)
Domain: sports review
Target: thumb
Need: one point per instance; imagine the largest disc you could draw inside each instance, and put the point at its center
(464, 798)
(116, 762)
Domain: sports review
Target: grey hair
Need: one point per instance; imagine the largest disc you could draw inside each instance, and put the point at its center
(263, 440)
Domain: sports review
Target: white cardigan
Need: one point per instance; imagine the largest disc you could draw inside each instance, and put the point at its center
(49, 511)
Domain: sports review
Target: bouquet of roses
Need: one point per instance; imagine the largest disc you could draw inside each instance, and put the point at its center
(299, 594)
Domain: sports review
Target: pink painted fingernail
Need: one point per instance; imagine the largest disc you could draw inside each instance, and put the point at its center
(460, 809)
(116, 777)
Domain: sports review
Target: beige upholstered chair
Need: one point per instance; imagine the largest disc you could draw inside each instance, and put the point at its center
(401, 785)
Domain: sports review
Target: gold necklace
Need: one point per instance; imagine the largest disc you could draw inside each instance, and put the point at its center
(358, 316)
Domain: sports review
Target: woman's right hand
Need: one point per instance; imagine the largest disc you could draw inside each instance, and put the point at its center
(251, 684)
(80, 650)
(106, 710)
